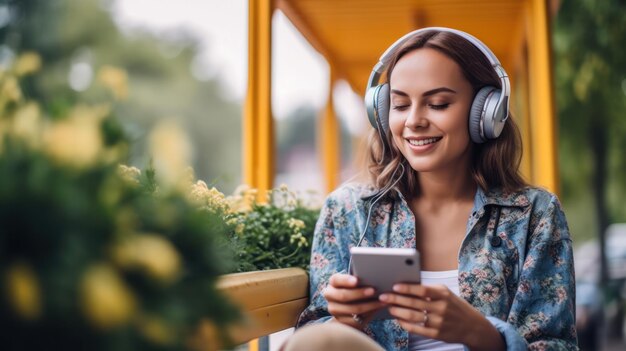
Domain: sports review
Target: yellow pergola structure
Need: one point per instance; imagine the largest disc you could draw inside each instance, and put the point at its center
(352, 34)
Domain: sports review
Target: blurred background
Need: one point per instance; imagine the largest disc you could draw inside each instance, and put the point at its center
(186, 61)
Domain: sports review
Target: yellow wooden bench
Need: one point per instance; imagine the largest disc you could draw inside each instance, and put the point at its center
(271, 300)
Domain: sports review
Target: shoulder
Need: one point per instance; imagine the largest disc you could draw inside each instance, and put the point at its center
(547, 216)
(540, 198)
(534, 208)
(534, 197)
(349, 194)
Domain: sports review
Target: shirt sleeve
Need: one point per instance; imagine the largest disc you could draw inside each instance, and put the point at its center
(542, 315)
(329, 255)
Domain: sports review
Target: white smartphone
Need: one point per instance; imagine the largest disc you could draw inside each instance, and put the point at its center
(382, 267)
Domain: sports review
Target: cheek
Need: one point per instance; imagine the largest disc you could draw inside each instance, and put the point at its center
(396, 125)
(396, 122)
(457, 123)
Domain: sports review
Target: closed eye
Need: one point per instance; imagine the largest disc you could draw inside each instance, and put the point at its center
(400, 107)
(438, 107)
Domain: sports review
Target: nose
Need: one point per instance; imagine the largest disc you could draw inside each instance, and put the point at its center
(416, 119)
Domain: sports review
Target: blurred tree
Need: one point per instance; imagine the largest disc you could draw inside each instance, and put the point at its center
(77, 38)
(590, 62)
(299, 131)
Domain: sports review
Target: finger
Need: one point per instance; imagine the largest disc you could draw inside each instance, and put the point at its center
(404, 300)
(348, 295)
(419, 329)
(408, 314)
(338, 309)
(339, 280)
(433, 292)
(417, 317)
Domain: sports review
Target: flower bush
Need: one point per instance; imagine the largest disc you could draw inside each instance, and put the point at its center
(273, 234)
(94, 255)
(102, 256)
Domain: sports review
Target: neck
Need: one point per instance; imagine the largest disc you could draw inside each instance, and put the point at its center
(438, 187)
(451, 184)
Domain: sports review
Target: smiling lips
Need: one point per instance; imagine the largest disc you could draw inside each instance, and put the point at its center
(424, 141)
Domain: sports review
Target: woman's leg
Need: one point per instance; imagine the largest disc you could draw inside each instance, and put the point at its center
(332, 336)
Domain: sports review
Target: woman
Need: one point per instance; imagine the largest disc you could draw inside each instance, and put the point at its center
(496, 255)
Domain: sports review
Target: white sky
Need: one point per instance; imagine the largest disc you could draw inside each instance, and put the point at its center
(300, 74)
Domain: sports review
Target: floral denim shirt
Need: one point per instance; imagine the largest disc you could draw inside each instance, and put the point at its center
(515, 262)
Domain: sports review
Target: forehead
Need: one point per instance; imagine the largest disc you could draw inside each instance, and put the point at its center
(425, 69)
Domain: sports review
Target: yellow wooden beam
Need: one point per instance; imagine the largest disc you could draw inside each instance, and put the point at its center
(258, 135)
(252, 290)
(300, 20)
(329, 140)
(271, 300)
(543, 131)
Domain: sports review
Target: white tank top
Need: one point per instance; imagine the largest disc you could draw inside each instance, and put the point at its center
(451, 280)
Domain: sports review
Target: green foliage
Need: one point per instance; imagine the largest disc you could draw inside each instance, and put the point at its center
(274, 235)
(68, 33)
(90, 258)
(590, 71)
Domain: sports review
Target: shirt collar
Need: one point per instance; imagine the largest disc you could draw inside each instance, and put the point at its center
(500, 198)
(494, 197)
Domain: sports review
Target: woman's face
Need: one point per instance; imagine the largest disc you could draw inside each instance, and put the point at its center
(428, 117)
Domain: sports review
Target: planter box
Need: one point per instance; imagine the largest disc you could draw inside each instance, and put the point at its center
(271, 300)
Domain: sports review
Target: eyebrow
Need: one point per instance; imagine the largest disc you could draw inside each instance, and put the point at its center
(428, 93)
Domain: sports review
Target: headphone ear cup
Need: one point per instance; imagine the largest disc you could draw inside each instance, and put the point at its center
(476, 114)
(382, 107)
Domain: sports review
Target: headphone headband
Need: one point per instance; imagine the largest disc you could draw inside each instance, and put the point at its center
(388, 54)
(383, 62)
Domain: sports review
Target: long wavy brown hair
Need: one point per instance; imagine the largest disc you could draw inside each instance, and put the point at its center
(495, 163)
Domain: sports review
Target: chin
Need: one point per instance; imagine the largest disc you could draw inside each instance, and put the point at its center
(423, 165)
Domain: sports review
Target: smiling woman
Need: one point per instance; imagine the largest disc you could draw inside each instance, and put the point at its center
(496, 255)
(429, 125)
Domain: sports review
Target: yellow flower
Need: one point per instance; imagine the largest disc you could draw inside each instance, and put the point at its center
(198, 191)
(296, 224)
(299, 239)
(23, 292)
(77, 140)
(11, 89)
(155, 330)
(171, 152)
(242, 199)
(210, 199)
(27, 124)
(240, 228)
(153, 254)
(105, 298)
(28, 62)
(116, 80)
(129, 174)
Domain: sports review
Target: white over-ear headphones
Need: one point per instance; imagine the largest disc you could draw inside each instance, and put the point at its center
(490, 108)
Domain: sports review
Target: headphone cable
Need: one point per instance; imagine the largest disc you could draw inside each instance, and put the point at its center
(376, 198)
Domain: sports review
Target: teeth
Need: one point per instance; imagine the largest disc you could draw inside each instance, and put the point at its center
(424, 141)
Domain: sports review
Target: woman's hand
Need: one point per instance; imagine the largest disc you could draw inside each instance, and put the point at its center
(437, 313)
(350, 304)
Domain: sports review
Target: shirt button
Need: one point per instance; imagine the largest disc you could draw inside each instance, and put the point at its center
(496, 241)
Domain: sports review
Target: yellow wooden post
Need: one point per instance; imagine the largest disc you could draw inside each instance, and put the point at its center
(253, 345)
(258, 128)
(329, 138)
(543, 131)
